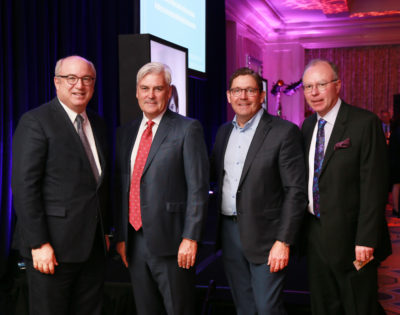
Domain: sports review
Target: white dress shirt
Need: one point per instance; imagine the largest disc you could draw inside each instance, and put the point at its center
(330, 119)
(88, 132)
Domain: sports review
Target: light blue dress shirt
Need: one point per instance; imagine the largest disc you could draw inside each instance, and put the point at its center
(235, 155)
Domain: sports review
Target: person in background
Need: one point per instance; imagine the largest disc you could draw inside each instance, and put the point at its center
(386, 124)
(394, 162)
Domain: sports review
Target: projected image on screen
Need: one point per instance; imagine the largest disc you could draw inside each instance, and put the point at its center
(179, 21)
(175, 59)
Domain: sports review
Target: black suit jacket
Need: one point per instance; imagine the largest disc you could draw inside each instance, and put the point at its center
(352, 186)
(174, 184)
(271, 196)
(56, 197)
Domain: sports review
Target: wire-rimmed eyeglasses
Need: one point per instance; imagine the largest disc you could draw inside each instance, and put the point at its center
(321, 87)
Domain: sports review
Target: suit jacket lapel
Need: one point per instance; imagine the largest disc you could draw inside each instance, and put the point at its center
(308, 132)
(258, 139)
(98, 143)
(62, 116)
(162, 132)
(336, 136)
(69, 127)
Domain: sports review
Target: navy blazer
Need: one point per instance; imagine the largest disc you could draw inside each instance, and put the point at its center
(174, 184)
(56, 197)
(271, 196)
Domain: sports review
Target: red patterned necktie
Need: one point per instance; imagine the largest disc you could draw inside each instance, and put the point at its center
(135, 217)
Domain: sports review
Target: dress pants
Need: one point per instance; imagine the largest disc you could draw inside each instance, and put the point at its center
(160, 286)
(333, 291)
(74, 288)
(255, 290)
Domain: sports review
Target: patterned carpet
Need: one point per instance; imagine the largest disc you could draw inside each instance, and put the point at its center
(389, 271)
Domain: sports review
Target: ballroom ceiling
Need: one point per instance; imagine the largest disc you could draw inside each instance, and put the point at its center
(318, 23)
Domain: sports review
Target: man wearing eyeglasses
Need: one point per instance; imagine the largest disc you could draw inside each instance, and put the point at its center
(259, 169)
(60, 187)
(347, 235)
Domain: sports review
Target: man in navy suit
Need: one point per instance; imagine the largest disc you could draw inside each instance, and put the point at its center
(258, 164)
(347, 234)
(161, 208)
(60, 188)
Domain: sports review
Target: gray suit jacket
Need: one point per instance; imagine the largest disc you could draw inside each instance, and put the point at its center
(174, 184)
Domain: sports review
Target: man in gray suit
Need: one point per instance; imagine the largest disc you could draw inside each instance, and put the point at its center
(259, 168)
(162, 191)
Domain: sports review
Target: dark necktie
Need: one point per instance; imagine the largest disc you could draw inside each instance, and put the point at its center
(135, 216)
(318, 159)
(79, 123)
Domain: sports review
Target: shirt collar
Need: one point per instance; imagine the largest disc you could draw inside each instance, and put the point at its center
(71, 114)
(330, 117)
(249, 124)
(156, 120)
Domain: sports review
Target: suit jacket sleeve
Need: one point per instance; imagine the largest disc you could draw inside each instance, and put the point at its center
(196, 166)
(118, 213)
(28, 166)
(373, 184)
(292, 171)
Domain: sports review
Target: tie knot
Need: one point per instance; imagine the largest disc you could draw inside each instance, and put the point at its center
(150, 124)
(321, 123)
(79, 118)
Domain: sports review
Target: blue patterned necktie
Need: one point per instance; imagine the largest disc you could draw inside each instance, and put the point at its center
(318, 159)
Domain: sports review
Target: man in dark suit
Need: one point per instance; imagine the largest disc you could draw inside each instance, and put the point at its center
(162, 191)
(386, 124)
(347, 232)
(258, 164)
(60, 192)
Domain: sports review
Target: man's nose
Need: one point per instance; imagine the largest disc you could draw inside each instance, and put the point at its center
(79, 83)
(243, 93)
(314, 90)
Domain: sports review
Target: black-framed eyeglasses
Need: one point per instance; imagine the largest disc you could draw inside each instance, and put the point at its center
(321, 87)
(238, 91)
(73, 79)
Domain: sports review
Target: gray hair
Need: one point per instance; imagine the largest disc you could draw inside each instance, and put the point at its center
(157, 68)
(60, 61)
(314, 62)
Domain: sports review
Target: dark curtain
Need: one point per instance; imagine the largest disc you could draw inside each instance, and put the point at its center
(36, 33)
